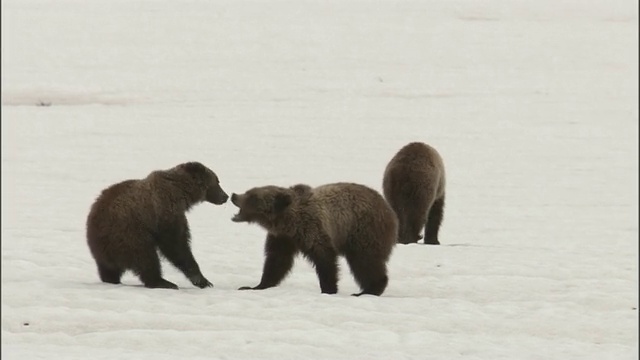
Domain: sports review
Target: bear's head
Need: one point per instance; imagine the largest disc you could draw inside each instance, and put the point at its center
(263, 205)
(205, 182)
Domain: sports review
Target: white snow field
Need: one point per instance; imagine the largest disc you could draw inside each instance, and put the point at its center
(532, 104)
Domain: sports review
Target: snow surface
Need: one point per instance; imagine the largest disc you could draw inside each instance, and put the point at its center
(532, 104)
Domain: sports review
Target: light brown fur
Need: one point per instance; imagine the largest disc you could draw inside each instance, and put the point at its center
(344, 219)
(414, 185)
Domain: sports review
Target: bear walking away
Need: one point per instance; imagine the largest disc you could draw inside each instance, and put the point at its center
(131, 220)
(414, 186)
(322, 223)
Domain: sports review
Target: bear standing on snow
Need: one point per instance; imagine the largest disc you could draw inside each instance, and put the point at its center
(131, 220)
(414, 184)
(345, 219)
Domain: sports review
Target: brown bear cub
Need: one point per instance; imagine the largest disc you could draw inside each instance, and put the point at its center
(322, 223)
(414, 184)
(133, 219)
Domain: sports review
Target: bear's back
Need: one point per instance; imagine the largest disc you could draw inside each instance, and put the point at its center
(416, 164)
(347, 207)
(417, 157)
(116, 197)
(129, 200)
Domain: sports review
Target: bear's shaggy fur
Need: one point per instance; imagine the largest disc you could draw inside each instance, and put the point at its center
(414, 186)
(133, 219)
(322, 223)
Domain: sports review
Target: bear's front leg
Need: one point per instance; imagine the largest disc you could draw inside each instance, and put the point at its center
(280, 253)
(174, 245)
(185, 262)
(325, 262)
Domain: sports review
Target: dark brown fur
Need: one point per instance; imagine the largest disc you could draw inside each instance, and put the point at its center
(133, 219)
(345, 219)
(414, 186)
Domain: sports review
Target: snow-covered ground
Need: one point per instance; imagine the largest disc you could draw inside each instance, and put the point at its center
(532, 104)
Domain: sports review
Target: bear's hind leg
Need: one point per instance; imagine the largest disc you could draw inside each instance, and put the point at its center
(326, 265)
(415, 225)
(433, 223)
(410, 224)
(370, 274)
(109, 274)
(402, 230)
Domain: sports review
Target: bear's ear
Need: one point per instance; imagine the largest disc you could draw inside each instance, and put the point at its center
(281, 201)
(194, 168)
(301, 189)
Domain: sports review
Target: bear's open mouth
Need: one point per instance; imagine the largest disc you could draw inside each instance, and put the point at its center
(237, 218)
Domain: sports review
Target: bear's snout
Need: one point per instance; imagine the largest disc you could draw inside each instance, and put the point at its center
(241, 215)
(216, 195)
(224, 197)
